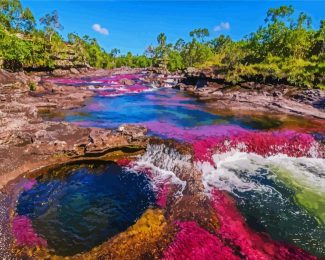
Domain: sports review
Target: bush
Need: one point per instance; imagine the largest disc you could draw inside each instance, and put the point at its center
(32, 86)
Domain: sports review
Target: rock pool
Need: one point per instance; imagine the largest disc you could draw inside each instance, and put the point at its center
(76, 208)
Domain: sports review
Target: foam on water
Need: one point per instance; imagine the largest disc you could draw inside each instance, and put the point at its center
(225, 173)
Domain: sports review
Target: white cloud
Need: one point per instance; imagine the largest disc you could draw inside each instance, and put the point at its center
(222, 26)
(98, 28)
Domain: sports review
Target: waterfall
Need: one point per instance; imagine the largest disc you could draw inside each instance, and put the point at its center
(165, 164)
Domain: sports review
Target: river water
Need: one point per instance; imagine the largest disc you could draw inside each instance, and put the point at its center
(263, 174)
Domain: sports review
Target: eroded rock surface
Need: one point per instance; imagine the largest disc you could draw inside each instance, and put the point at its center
(28, 141)
(211, 88)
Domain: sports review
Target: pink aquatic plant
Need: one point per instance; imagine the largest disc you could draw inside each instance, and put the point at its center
(191, 134)
(117, 91)
(194, 242)
(262, 143)
(25, 234)
(96, 107)
(124, 162)
(252, 245)
(162, 195)
(29, 184)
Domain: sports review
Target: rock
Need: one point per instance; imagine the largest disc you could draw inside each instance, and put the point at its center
(127, 82)
(247, 85)
(277, 94)
(60, 73)
(308, 96)
(192, 71)
(183, 87)
(320, 104)
(74, 71)
(98, 136)
(134, 131)
(102, 139)
(201, 83)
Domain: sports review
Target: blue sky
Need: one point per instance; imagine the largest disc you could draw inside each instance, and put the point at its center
(133, 25)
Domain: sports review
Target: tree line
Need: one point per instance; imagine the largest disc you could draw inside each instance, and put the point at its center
(285, 48)
(38, 45)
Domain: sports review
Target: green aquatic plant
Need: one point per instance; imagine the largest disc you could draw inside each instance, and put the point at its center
(308, 194)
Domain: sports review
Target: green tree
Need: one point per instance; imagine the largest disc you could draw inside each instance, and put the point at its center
(200, 34)
(51, 24)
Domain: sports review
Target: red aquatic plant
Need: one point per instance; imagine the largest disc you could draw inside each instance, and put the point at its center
(124, 162)
(25, 234)
(162, 195)
(194, 242)
(29, 184)
(262, 143)
(251, 245)
(191, 134)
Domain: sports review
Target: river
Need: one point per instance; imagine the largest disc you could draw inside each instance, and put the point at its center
(262, 174)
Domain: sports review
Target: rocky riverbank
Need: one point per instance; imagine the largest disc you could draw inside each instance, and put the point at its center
(27, 141)
(251, 96)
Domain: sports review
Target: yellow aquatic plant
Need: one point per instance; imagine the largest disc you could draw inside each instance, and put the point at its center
(146, 238)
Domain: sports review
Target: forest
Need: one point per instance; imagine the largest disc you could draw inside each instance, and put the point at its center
(286, 48)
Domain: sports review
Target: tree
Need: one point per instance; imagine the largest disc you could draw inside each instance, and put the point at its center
(179, 45)
(114, 52)
(160, 53)
(275, 15)
(219, 43)
(200, 34)
(14, 17)
(10, 11)
(161, 39)
(319, 41)
(51, 24)
(27, 21)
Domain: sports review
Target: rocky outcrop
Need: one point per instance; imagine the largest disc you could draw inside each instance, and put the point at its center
(211, 87)
(28, 141)
(133, 131)
(158, 77)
